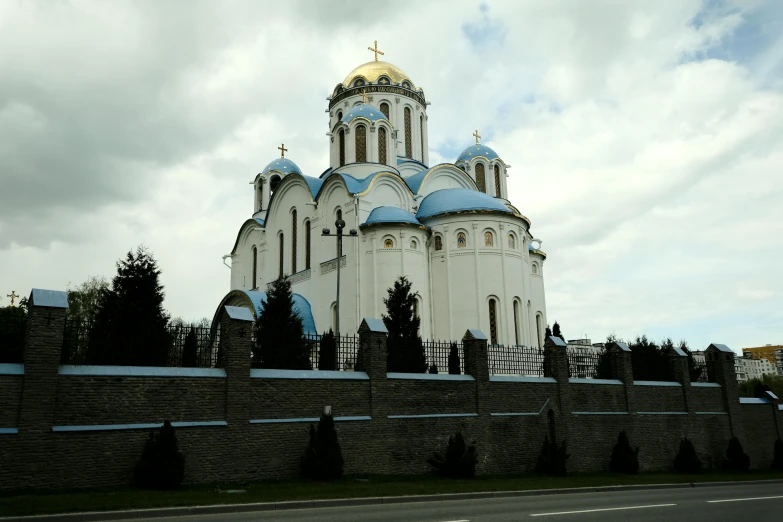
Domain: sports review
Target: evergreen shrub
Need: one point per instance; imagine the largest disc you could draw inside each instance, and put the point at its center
(280, 342)
(736, 458)
(327, 352)
(687, 461)
(552, 459)
(777, 459)
(323, 458)
(190, 350)
(624, 458)
(161, 465)
(433, 368)
(454, 366)
(460, 459)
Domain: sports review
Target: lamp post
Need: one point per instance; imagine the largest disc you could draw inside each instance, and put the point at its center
(339, 225)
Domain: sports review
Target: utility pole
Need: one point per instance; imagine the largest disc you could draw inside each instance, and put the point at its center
(339, 225)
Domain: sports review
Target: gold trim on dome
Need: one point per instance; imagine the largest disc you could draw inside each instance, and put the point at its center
(371, 71)
(539, 252)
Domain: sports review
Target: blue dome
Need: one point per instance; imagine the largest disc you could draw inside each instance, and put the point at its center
(284, 165)
(363, 111)
(476, 151)
(459, 200)
(391, 215)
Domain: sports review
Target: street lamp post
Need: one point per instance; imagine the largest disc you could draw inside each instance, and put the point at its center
(339, 225)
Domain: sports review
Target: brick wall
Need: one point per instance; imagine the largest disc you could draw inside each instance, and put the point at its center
(11, 394)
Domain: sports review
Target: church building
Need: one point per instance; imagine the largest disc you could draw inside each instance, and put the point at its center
(450, 228)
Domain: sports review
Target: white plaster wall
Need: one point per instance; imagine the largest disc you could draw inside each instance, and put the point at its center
(537, 298)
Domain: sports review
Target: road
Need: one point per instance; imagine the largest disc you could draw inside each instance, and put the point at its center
(756, 503)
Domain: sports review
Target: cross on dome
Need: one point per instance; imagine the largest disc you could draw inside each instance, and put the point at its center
(364, 97)
(376, 51)
(282, 150)
(13, 295)
(476, 134)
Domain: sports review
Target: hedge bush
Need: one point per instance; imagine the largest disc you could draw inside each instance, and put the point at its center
(460, 459)
(323, 458)
(624, 458)
(687, 461)
(552, 459)
(777, 459)
(161, 465)
(736, 458)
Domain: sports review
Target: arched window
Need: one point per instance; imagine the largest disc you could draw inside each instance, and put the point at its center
(512, 243)
(339, 115)
(254, 284)
(334, 316)
(493, 322)
(480, 181)
(414, 245)
(438, 243)
(388, 243)
(339, 216)
(293, 241)
(385, 109)
(307, 244)
(488, 239)
(421, 135)
(282, 247)
(408, 130)
(538, 330)
(497, 181)
(462, 240)
(273, 183)
(341, 144)
(382, 145)
(535, 268)
(516, 322)
(360, 141)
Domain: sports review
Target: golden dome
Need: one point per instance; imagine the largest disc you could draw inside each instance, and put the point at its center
(371, 71)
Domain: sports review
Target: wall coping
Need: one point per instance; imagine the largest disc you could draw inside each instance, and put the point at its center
(264, 373)
(432, 416)
(662, 413)
(310, 419)
(429, 376)
(657, 383)
(9, 431)
(710, 413)
(520, 414)
(595, 381)
(521, 378)
(140, 371)
(753, 400)
(11, 369)
(705, 384)
(599, 413)
(142, 426)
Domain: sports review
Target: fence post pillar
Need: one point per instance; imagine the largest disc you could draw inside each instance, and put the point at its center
(720, 367)
(679, 364)
(623, 370)
(236, 325)
(474, 344)
(372, 360)
(556, 366)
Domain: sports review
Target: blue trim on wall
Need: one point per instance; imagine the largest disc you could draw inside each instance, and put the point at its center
(662, 413)
(9, 431)
(705, 384)
(710, 413)
(780, 406)
(429, 376)
(599, 413)
(145, 426)
(520, 378)
(523, 414)
(310, 419)
(141, 371)
(595, 381)
(307, 374)
(657, 383)
(433, 415)
(753, 400)
(11, 369)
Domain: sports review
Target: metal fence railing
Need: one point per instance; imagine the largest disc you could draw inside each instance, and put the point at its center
(347, 350)
(438, 352)
(12, 338)
(516, 360)
(584, 363)
(199, 352)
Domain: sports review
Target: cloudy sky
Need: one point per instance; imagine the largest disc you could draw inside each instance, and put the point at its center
(645, 138)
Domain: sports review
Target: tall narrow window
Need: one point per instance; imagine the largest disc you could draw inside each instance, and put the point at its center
(282, 247)
(438, 243)
(512, 243)
(408, 130)
(497, 182)
(339, 217)
(341, 144)
(538, 329)
(516, 322)
(421, 135)
(381, 145)
(385, 109)
(493, 324)
(293, 241)
(480, 181)
(254, 284)
(488, 239)
(307, 244)
(462, 240)
(360, 140)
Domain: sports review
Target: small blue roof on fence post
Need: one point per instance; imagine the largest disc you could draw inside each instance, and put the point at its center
(240, 313)
(771, 395)
(679, 352)
(620, 346)
(720, 348)
(474, 334)
(374, 325)
(556, 341)
(49, 298)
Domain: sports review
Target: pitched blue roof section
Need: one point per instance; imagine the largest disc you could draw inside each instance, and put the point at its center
(314, 184)
(326, 173)
(239, 313)
(49, 298)
(475, 151)
(444, 201)
(414, 182)
(255, 300)
(364, 111)
(403, 159)
(284, 165)
(260, 221)
(390, 215)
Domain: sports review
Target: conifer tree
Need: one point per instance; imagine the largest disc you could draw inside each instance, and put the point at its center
(547, 332)
(404, 347)
(454, 364)
(190, 350)
(459, 460)
(556, 331)
(777, 456)
(687, 461)
(736, 458)
(624, 458)
(326, 352)
(130, 325)
(323, 458)
(161, 465)
(280, 342)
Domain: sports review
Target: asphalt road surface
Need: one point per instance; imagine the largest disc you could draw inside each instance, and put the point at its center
(744, 503)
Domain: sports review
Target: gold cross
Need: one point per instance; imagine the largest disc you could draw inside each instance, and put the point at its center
(476, 134)
(13, 296)
(282, 149)
(364, 97)
(376, 51)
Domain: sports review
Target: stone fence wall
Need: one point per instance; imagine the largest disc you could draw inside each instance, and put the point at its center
(85, 426)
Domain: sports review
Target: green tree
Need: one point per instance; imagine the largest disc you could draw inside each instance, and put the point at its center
(625, 459)
(85, 299)
(547, 333)
(280, 339)
(454, 364)
(13, 321)
(161, 465)
(756, 387)
(404, 347)
(130, 326)
(190, 350)
(458, 462)
(649, 364)
(323, 458)
(556, 331)
(326, 352)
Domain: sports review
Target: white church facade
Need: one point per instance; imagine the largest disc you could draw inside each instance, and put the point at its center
(450, 228)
